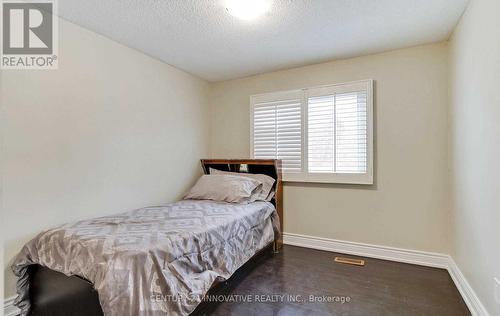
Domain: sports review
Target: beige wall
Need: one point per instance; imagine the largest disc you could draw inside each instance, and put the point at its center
(111, 130)
(408, 206)
(474, 146)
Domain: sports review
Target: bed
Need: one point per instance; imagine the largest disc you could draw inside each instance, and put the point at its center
(153, 261)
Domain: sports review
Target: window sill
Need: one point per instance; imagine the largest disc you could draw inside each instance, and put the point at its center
(346, 178)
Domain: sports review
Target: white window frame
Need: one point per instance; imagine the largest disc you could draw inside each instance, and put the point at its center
(304, 94)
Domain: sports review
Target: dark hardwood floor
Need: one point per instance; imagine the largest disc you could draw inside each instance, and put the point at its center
(379, 288)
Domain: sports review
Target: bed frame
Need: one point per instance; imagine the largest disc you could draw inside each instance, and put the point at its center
(53, 293)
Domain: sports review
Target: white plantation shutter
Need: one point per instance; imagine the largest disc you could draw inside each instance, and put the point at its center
(351, 132)
(277, 132)
(337, 133)
(322, 134)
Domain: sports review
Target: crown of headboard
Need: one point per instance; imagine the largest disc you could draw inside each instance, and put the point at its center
(270, 167)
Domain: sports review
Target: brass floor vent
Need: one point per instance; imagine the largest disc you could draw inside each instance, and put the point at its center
(356, 262)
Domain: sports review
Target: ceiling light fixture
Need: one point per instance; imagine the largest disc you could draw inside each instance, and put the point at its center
(247, 9)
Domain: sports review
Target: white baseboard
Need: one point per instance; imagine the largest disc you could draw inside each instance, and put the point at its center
(423, 258)
(8, 307)
(468, 294)
(429, 259)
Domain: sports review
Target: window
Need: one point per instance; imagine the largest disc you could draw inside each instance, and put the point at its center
(322, 134)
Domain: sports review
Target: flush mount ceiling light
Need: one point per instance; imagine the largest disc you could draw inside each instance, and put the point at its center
(247, 9)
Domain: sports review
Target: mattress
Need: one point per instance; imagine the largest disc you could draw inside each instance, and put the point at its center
(153, 260)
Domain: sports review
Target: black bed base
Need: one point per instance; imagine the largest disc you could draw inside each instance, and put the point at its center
(55, 294)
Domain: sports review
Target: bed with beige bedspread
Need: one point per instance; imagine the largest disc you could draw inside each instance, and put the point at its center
(153, 260)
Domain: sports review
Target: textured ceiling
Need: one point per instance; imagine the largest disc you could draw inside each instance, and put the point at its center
(200, 37)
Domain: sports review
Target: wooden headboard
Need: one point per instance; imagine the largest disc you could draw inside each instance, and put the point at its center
(270, 167)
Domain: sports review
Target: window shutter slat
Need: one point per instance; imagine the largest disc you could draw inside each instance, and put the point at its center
(277, 133)
(351, 132)
(320, 113)
(337, 133)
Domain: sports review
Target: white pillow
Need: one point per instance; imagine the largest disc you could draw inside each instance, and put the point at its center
(226, 188)
(264, 194)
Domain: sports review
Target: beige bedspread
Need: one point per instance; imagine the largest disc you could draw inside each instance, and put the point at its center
(155, 260)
